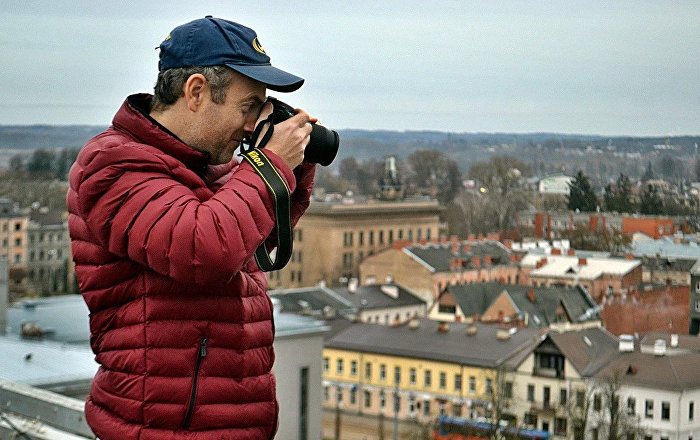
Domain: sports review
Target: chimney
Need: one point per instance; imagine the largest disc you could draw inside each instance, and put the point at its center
(570, 252)
(455, 247)
(513, 258)
(454, 239)
(422, 241)
(467, 248)
(443, 327)
(582, 261)
(487, 260)
(443, 239)
(508, 244)
(476, 261)
(626, 343)
(414, 324)
(555, 251)
(471, 330)
(531, 295)
(471, 237)
(502, 334)
(352, 285)
(629, 257)
(480, 237)
(453, 263)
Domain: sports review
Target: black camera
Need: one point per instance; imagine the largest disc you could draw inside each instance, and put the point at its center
(324, 143)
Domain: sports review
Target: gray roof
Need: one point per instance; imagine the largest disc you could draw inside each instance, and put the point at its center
(317, 298)
(438, 256)
(668, 263)
(588, 350)
(62, 318)
(289, 325)
(673, 373)
(483, 349)
(665, 247)
(475, 298)
(373, 296)
(45, 363)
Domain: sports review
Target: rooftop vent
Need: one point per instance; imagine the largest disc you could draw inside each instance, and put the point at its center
(659, 347)
(674, 340)
(390, 290)
(414, 324)
(443, 327)
(503, 334)
(471, 330)
(626, 343)
(352, 285)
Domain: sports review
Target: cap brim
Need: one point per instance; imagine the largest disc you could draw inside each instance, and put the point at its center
(275, 79)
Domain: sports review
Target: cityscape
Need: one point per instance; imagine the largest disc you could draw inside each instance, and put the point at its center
(506, 245)
(492, 302)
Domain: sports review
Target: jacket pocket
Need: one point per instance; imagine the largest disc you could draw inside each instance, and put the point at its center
(201, 354)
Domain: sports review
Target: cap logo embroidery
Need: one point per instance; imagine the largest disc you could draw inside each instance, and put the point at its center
(168, 37)
(258, 47)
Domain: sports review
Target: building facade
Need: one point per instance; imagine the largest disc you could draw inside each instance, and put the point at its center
(331, 239)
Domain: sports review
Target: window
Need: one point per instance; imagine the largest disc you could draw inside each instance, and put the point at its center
(458, 382)
(304, 403)
(18, 226)
(325, 365)
(508, 390)
(530, 393)
(597, 402)
(447, 309)
(368, 399)
(472, 384)
(427, 234)
(397, 374)
(411, 404)
(631, 405)
(361, 238)
(428, 379)
(382, 399)
(353, 368)
(326, 393)
(560, 426)
(391, 236)
(339, 367)
(562, 397)
(665, 410)
(353, 396)
(691, 410)
(18, 242)
(649, 409)
(368, 370)
(580, 399)
(697, 287)
(426, 407)
(530, 420)
(339, 394)
(489, 386)
(419, 234)
(18, 258)
(382, 372)
(381, 237)
(371, 237)
(443, 380)
(412, 376)
(697, 306)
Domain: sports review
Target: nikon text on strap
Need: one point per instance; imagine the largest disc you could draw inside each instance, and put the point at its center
(281, 198)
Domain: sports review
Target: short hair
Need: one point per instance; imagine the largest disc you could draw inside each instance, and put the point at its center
(168, 88)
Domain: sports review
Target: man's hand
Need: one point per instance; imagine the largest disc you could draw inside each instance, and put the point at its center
(290, 137)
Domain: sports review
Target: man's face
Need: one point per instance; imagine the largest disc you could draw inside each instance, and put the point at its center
(221, 127)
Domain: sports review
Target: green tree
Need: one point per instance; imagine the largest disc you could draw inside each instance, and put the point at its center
(41, 162)
(648, 174)
(619, 198)
(651, 202)
(581, 195)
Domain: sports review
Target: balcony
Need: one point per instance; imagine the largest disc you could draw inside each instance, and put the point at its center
(542, 407)
(548, 372)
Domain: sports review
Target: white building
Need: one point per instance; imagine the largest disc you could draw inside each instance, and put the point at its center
(558, 184)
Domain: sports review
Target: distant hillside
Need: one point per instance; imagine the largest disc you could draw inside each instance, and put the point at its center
(32, 137)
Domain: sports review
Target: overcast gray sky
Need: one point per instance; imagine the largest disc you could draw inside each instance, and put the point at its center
(591, 67)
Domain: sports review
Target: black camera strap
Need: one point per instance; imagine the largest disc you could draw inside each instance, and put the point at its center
(281, 197)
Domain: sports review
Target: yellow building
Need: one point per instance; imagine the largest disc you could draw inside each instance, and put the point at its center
(332, 238)
(13, 232)
(434, 368)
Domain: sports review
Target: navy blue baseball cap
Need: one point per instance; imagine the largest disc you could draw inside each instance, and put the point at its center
(213, 41)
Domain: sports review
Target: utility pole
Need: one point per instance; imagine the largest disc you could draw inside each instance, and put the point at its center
(381, 424)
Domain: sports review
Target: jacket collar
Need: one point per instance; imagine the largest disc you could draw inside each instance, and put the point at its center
(133, 118)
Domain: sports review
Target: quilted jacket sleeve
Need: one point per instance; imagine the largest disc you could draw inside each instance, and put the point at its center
(136, 205)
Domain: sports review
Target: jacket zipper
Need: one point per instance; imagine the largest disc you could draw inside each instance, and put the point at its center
(202, 353)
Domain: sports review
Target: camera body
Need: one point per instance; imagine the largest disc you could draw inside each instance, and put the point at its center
(324, 143)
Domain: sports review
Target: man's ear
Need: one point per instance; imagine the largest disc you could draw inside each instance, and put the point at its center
(196, 91)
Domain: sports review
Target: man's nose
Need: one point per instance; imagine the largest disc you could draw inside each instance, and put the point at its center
(249, 125)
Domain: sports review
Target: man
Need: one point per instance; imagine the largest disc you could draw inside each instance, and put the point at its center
(164, 224)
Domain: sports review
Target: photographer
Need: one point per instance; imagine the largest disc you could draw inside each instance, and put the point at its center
(164, 224)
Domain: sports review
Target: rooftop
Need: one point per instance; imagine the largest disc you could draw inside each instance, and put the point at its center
(61, 318)
(423, 340)
(564, 266)
(476, 298)
(378, 296)
(437, 257)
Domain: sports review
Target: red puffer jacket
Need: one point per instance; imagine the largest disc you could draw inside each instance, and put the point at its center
(179, 316)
